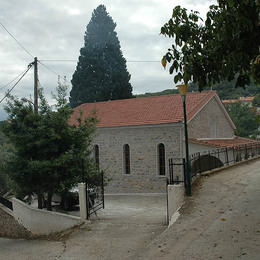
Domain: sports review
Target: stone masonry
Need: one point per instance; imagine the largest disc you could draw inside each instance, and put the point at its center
(200, 126)
(143, 142)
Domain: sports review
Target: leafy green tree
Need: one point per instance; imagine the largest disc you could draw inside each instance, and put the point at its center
(48, 150)
(101, 72)
(6, 151)
(224, 47)
(226, 91)
(256, 101)
(245, 120)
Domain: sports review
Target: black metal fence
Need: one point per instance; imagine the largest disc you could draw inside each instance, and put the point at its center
(95, 196)
(6, 202)
(176, 171)
(206, 161)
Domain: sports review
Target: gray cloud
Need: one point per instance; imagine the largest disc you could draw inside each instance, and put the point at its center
(54, 30)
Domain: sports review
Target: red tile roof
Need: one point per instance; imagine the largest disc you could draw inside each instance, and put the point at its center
(241, 99)
(221, 143)
(144, 111)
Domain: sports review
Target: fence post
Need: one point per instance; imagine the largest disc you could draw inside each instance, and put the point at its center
(102, 187)
(199, 163)
(233, 149)
(171, 170)
(227, 155)
(83, 171)
(82, 201)
(209, 160)
(184, 173)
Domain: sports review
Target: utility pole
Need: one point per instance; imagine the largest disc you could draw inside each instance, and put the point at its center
(35, 85)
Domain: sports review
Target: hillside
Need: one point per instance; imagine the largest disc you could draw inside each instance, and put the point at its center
(225, 90)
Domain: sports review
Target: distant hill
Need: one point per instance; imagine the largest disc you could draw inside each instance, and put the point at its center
(225, 89)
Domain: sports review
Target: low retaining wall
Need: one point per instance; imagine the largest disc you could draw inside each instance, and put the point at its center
(176, 197)
(42, 221)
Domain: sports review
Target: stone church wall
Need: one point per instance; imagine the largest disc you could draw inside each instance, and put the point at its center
(143, 142)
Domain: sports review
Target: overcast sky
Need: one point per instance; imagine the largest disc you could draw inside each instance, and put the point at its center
(53, 31)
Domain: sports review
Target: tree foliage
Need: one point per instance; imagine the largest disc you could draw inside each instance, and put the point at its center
(101, 72)
(6, 152)
(48, 150)
(256, 101)
(224, 47)
(245, 120)
(224, 90)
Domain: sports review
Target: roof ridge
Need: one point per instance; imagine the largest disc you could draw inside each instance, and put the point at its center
(201, 100)
(150, 97)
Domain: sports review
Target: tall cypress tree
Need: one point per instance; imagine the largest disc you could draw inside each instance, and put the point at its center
(101, 72)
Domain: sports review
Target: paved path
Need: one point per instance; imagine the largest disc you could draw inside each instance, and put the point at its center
(220, 221)
(127, 225)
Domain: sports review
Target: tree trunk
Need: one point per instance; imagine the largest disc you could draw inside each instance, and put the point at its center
(40, 199)
(49, 199)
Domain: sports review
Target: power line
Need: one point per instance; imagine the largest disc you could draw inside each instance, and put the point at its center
(17, 41)
(49, 68)
(146, 61)
(62, 60)
(12, 81)
(68, 60)
(29, 66)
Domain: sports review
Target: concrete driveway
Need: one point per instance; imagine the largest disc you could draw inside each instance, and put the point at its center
(129, 223)
(132, 208)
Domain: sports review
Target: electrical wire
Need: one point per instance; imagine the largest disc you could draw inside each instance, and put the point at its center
(68, 60)
(146, 61)
(64, 60)
(48, 68)
(12, 80)
(29, 66)
(17, 41)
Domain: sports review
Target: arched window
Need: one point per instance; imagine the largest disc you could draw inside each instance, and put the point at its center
(214, 128)
(161, 159)
(96, 155)
(126, 159)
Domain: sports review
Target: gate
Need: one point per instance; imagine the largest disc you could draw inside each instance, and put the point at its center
(95, 195)
(177, 171)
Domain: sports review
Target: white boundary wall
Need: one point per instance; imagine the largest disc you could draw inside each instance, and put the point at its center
(42, 221)
(176, 198)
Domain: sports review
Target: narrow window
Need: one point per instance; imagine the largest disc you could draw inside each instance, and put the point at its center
(96, 155)
(161, 159)
(126, 159)
(214, 129)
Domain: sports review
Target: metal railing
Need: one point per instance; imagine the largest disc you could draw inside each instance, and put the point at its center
(206, 161)
(95, 196)
(177, 171)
